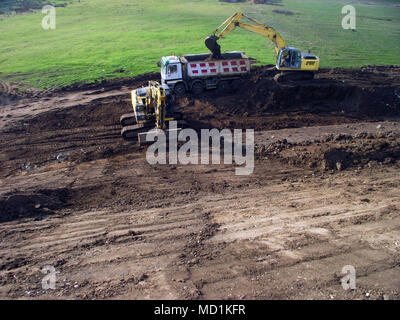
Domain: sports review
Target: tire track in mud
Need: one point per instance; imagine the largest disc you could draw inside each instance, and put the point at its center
(6, 93)
(279, 236)
(142, 237)
(5, 88)
(274, 239)
(139, 244)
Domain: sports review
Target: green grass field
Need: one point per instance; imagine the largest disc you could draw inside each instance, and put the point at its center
(94, 38)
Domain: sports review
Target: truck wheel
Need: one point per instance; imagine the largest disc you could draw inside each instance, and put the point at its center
(235, 85)
(197, 88)
(223, 86)
(179, 89)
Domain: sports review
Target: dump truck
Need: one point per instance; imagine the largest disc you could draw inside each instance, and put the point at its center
(199, 72)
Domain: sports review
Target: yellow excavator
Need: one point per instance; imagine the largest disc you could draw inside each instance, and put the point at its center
(291, 62)
(152, 110)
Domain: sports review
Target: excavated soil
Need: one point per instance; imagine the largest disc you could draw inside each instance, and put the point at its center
(336, 152)
(324, 194)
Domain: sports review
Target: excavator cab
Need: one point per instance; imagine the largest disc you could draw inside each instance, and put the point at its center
(288, 58)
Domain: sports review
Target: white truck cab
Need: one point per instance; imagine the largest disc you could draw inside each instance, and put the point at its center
(171, 70)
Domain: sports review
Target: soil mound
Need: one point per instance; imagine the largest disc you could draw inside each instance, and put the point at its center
(337, 152)
(262, 94)
(42, 203)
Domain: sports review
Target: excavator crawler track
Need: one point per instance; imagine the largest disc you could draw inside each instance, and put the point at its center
(294, 76)
(128, 119)
(130, 133)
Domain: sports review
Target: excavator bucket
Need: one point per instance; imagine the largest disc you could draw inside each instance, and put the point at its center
(213, 46)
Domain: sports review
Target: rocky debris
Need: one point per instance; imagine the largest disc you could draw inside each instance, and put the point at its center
(335, 152)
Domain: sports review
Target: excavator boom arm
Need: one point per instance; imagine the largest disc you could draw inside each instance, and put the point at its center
(156, 99)
(258, 27)
(268, 32)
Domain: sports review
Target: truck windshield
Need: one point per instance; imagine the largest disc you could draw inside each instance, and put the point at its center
(163, 69)
(172, 68)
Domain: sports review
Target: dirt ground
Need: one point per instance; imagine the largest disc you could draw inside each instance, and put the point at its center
(325, 193)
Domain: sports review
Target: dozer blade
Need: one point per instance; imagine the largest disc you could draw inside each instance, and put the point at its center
(143, 136)
(130, 133)
(213, 46)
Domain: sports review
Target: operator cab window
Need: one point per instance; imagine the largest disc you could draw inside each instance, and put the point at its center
(296, 59)
(285, 59)
(290, 59)
(172, 69)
